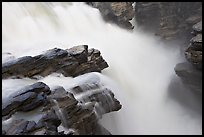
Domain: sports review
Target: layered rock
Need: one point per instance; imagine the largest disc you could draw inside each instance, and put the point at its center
(77, 109)
(71, 62)
(47, 125)
(26, 99)
(82, 114)
(119, 13)
(194, 51)
(93, 92)
(174, 21)
(170, 20)
(191, 72)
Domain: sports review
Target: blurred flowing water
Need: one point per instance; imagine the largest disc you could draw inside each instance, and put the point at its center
(140, 73)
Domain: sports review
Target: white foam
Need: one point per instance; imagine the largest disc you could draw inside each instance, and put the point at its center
(140, 64)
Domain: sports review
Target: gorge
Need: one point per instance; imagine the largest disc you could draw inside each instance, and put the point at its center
(68, 68)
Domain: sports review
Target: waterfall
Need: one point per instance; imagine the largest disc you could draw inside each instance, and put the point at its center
(140, 72)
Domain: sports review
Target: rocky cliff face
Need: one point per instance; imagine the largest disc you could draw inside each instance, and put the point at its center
(77, 109)
(119, 13)
(170, 20)
(191, 72)
(177, 21)
(194, 51)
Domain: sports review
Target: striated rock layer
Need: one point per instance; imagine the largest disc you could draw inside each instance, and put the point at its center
(191, 72)
(194, 52)
(77, 109)
(71, 62)
(26, 99)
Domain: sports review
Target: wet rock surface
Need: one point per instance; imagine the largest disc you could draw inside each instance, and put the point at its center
(25, 99)
(119, 13)
(75, 61)
(78, 109)
(47, 125)
(94, 92)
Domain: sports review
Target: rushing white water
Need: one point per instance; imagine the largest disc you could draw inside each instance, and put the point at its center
(141, 65)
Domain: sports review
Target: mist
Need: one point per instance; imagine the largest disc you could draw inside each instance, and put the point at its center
(140, 73)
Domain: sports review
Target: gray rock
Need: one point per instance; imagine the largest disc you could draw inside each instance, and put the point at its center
(47, 125)
(194, 57)
(119, 13)
(18, 127)
(191, 72)
(190, 76)
(170, 20)
(198, 27)
(103, 97)
(3, 132)
(28, 98)
(194, 52)
(79, 109)
(71, 62)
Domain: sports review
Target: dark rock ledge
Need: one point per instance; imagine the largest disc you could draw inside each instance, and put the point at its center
(71, 62)
(80, 116)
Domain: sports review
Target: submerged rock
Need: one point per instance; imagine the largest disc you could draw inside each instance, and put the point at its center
(119, 13)
(71, 62)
